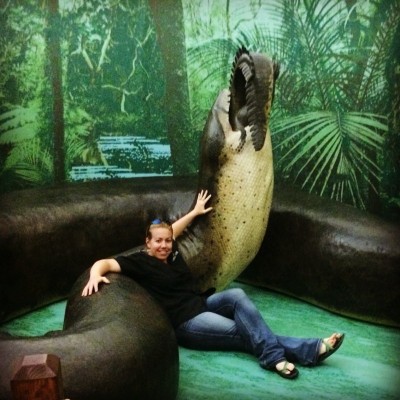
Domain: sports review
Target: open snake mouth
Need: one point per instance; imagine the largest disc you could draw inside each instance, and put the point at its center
(252, 87)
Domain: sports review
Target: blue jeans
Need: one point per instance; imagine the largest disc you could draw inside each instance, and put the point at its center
(232, 322)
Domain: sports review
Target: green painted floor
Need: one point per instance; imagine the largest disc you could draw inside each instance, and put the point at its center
(367, 366)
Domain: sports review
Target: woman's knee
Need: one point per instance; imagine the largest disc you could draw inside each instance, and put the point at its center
(237, 293)
(225, 302)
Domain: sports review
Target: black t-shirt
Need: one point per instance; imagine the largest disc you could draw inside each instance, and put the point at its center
(170, 284)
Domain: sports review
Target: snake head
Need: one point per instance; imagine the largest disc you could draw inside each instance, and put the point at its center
(252, 87)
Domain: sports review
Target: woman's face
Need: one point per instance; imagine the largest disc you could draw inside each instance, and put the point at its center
(160, 244)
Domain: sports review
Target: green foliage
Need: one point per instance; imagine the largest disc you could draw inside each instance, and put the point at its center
(112, 59)
(329, 152)
(30, 164)
(18, 124)
(208, 75)
(25, 158)
(109, 56)
(333, 130)
(81, 142)
(328, 119)
(25, 164)
(333, 141)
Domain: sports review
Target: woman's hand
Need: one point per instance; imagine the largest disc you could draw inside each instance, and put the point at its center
(93, 285)
(200, 206)
(199, 209)
(97, 272)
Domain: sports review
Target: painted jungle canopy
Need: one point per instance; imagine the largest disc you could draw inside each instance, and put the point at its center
(105, 89)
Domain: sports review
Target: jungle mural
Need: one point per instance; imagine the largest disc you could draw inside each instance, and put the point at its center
(121, 88)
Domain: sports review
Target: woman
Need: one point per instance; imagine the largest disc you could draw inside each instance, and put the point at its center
(227, 320)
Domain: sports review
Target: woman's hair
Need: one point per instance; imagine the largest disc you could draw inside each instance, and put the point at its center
(157, 223)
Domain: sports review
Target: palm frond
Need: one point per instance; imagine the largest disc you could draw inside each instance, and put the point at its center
(372, 83)
(29, 163)
(18, 124)
(333, 147)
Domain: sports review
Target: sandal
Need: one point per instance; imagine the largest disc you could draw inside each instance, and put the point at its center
(329, 348)
(287, 373)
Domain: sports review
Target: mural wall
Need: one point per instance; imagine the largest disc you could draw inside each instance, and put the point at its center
(103, 89)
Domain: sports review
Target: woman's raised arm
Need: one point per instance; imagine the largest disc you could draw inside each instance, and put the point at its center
(199, 209)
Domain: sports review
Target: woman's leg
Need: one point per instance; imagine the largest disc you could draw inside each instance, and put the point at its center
(310, 351)
(210, 331)
(300, 350)
(234, 323)
(257, 336)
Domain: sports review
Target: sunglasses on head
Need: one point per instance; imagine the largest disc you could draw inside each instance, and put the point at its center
(157, 221)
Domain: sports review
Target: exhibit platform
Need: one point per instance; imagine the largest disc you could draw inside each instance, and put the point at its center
(367, 366)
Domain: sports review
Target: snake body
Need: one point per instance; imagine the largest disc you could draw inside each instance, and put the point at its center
(237, 169)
